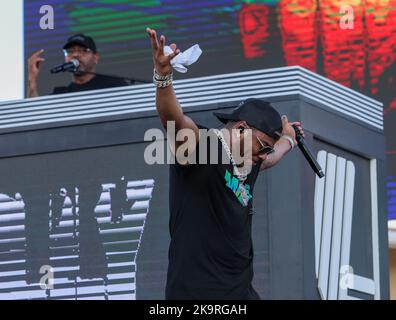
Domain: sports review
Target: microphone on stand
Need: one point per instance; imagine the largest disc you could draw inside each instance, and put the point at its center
(129, 80)
(308, 154)
(71, 66)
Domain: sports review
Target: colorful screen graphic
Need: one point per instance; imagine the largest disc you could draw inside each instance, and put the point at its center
(234, 35)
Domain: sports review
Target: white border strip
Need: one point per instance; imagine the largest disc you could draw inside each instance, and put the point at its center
(12, 50)
(318, 207)
(346, 232)
(374, 221)
(338, 213)
(327, 224)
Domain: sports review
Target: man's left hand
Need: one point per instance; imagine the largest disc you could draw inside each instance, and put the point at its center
(289, 130)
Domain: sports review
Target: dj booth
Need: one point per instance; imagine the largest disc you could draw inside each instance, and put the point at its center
(83, 216)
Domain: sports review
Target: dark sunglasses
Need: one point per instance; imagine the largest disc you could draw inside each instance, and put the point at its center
(264, 149)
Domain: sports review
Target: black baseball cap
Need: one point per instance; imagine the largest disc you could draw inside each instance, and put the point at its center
(82, 40)
(258, 114)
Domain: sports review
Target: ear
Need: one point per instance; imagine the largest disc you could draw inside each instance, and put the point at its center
(97, 58)
(241, 125)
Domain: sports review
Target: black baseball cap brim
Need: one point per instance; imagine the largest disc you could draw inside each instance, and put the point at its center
(81, 40)
(225, 117)
(258, 114)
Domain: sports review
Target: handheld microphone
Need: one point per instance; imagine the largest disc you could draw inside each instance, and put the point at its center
(68, 66)
(308, 154)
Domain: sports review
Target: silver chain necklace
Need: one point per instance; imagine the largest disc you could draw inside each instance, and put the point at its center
(241, 177)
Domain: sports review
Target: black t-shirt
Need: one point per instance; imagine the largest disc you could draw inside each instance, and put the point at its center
(97, 82)
(211, 252)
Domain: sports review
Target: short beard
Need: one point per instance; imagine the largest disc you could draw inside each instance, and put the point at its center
(85, 70)
(80, 73)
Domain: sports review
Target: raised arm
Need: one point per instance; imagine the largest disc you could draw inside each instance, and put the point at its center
(168, 107)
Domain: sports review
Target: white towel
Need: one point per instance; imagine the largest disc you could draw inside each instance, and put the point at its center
(185, 58)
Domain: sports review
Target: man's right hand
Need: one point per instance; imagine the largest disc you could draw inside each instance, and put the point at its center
(33, 69)
(34, 65)
(168, 106)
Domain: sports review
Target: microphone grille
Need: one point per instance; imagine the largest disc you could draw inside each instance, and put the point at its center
(75, 62)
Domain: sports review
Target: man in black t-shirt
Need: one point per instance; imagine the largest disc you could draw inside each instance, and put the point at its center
(211, 252)
(78, 47)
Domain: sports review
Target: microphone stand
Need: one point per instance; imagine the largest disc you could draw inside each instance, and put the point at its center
(130, 81)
